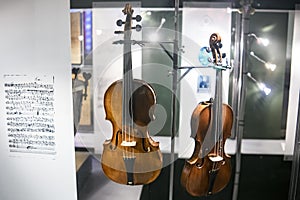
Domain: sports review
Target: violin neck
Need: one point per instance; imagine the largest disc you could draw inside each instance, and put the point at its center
(127, 80)
(127, 58)
(217, 106)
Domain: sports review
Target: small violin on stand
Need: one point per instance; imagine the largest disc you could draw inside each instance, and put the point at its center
(208, 170)
(130, 157)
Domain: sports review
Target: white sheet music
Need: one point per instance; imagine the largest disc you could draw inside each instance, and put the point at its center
(29, 106)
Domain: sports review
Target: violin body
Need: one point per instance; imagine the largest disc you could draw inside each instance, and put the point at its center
(136, 164)
(201, 176)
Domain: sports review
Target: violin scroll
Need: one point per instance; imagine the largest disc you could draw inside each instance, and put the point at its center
(215, 46)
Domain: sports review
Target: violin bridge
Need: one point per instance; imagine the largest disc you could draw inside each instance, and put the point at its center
(128, 144)
(216, 158)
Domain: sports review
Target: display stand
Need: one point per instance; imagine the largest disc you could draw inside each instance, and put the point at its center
(246, 11)
(174, 91)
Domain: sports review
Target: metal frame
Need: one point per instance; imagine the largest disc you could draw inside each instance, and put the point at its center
(294, 182)
(241, 90)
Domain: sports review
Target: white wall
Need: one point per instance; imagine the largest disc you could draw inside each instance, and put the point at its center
(35, 42)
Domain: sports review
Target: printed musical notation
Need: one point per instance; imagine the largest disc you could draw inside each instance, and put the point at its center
(29, 106)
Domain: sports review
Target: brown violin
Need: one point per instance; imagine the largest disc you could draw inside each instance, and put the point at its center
(130, 157)
(208, 170)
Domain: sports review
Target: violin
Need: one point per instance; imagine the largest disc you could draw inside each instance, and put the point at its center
(208, 170)
(131, 156)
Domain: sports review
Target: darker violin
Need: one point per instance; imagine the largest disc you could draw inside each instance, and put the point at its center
(208, 171)
(130, 157)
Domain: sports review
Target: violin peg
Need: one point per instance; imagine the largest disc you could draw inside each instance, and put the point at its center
(138, 18)
(208, 50)
(137, 28)
(119, 32)
(120, 22)
(220, 45)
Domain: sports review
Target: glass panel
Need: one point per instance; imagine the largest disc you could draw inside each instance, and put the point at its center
(76, 38)
(264, 114)
(157, 65)
(81, 47)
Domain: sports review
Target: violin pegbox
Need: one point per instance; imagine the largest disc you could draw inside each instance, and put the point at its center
(215, 46)
(128, 11)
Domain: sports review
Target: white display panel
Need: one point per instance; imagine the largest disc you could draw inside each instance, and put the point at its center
(200, 20)
(36, 141)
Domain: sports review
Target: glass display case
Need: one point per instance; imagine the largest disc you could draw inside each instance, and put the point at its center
(260, 84)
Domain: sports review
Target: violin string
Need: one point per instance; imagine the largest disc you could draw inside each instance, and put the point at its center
(220, 116)
(123, 117)
(131, 119)
(222, 113)
(132, 101)
(219, 99)
(216, 130)
(124, 105)
(129, 94)
(217, 108)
